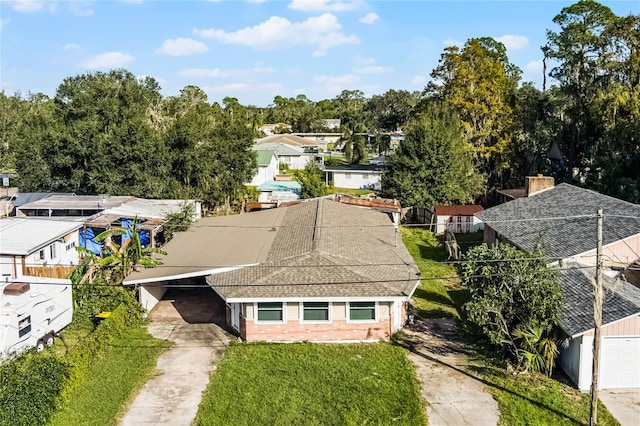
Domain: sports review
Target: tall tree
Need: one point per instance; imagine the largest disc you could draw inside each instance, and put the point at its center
(479, 83)
(432, 166)
(310, 179)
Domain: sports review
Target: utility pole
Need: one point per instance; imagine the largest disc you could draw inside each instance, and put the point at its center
(597, 319)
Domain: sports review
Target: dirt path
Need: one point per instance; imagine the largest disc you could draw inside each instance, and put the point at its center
(172, 397)
(455, 395)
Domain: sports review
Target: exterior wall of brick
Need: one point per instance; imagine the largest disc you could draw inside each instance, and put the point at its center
(337, 330)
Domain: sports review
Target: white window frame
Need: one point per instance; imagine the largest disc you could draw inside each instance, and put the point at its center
(40, 255)
(53, 251)
(376, 312)
(71, 245)
(258, 321)
(329, 316)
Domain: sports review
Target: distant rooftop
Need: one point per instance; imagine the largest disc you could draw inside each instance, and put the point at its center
(24, 235)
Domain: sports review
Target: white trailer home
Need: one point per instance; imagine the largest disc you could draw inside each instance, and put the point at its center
(32, 311)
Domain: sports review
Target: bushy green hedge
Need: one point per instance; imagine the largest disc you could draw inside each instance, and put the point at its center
(80, 358)
(29, 388)
(33, 383)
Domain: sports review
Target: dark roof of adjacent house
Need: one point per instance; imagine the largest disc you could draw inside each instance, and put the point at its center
(563, 220)
(621, 299)
(326, 249)
(513, 193)
(458, 210)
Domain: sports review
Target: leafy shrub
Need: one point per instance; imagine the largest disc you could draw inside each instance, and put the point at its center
(80, 358)
(91, 299)
(29, 388)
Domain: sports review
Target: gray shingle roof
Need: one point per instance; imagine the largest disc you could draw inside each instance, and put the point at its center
(566, 237)
(327, 249)
(621, 299)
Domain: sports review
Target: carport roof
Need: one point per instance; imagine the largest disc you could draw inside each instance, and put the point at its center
(212, 244)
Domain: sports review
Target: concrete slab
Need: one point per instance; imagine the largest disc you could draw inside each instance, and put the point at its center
(455, 396)
(623, 404)
(191, 319)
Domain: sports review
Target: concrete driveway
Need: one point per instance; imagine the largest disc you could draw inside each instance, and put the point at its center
(456, 397)
(192, 319)
(623, 404)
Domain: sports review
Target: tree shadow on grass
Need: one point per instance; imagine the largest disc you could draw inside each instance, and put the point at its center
(477, 376)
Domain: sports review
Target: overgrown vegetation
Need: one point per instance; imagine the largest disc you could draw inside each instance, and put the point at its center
(311, 180)
(311, 384)
(439, 294)
(115, 374)
(515, 302)
(179, 221)
(535, 400)
(30, 386)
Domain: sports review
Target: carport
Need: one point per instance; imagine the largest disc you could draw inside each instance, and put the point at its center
(210, 246)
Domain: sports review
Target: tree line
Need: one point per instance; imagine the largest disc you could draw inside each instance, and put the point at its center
(474, 127)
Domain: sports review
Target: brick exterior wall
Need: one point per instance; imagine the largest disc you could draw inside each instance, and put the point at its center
(338, 330)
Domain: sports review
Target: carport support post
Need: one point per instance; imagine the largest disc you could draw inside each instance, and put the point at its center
(597, 319)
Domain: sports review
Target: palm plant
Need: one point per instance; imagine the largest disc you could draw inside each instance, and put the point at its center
(537, 349)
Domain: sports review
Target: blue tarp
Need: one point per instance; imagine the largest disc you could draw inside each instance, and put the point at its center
(127, 224)
(89, 242)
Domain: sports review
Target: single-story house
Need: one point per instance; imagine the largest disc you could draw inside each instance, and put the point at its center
(562, 219)
(287, 139)
(620, 347)
(298, 273)
(38, 247)
(267, 167)
(294, 157)
(354, 176)
(457, 218)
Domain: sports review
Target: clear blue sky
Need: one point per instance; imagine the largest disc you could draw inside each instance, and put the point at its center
(254, 50)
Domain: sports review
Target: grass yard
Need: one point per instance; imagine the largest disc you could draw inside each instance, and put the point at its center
(312, 384)
(122, 369)
(350, 191)
(537, 400)
(439, 295)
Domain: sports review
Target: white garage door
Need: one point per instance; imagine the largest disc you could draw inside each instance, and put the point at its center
(620, 366)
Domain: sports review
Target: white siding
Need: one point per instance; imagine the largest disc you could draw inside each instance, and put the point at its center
(355, 180)
(265, 174)
(150, 296)
(458, 224)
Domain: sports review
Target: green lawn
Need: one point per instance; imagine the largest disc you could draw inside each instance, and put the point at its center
(524, 399)
(537, 400)
(350, 191)
(114, 378)
(312, 384)
(439, 294)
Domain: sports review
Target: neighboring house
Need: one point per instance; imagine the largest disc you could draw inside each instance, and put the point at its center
(38, 247)
(287, 139)
(354, 176)
(380, 160)
(267, 167)
(457, 218)
(321, 140)
(294, 157)
(620, 347)
(331, 123)
(562, 219)
(298, 273)
(100, 212)
(270, 129)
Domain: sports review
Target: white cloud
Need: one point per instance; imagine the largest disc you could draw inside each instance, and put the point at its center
(27, 5)
(263, 69)
(322, 5)
(534, 67)
(336, 84)
(107, 60)
(322, 31)
(81, 8)
(227, 88)
(513, 42)
(182, 47)
(418, 79)
(372, 69)
(204, 73)
(3, 23)
(360, 60)
(452, 42)
(369, 18)
(71, 46)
